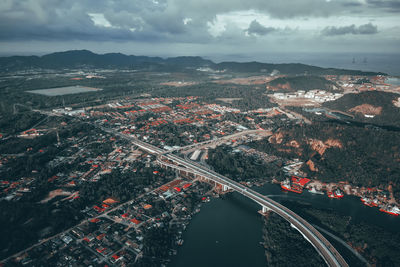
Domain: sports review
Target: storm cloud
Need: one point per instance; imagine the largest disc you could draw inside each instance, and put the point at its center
(389, 5)
(256, 28)
(196, 23)
(351, 29)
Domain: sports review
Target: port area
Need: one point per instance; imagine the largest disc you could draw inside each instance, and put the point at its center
(371, 197)
(295, 184)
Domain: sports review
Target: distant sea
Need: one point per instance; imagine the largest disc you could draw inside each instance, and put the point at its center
(387, 63)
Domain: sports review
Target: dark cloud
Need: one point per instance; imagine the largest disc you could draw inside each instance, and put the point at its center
(352, 4)
(367, 29)
(147, 19)
(389, 5)
(255, 28)
(194, 22)
(351, 29)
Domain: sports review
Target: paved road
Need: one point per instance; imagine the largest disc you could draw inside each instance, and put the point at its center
(321, 244)
(220, 140)
(358, 255)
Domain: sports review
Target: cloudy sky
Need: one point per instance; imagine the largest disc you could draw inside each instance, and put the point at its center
(200, 27)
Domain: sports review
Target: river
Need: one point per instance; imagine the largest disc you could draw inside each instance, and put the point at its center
(228, 231)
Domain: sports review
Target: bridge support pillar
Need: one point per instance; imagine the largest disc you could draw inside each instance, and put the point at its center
(265, 209)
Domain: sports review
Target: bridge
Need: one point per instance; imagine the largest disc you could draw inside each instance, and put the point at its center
(218, 141)
(320, 243)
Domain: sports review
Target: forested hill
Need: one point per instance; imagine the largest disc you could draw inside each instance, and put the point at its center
(306, 83)
(382, 108)
(88, 59)
(288, 69)
(334, 152)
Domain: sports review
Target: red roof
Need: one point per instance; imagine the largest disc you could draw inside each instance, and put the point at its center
(187, 185)
(100, 250)
(100, 237)
(135, 221)
(99, 209)
(300, 181)
(177, 189)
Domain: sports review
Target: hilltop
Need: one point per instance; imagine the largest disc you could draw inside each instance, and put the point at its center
(371, 106)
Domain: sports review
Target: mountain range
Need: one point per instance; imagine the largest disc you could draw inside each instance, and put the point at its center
(87, 59)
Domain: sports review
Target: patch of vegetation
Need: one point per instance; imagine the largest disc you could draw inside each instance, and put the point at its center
(390, 114)
(368, 157)
(239, 166)
(285, 246)
(378, 245)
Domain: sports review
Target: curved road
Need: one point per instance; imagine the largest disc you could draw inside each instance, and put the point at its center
(321, 244)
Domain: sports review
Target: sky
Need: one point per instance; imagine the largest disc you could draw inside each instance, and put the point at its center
(236, 28)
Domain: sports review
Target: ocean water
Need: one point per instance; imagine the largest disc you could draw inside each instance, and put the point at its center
(387, 63)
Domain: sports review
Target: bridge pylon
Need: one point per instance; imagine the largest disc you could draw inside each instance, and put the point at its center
(264, 210)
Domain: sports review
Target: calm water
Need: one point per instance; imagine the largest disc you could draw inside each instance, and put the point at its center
(377, 62)
(227, 231)
(394, 81)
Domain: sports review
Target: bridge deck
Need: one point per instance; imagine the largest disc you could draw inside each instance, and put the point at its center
(322, 245)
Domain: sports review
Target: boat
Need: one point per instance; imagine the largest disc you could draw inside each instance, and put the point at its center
(315, 191)
(335, 194)
(338, 194)
(392, 210)
(369, 202)
(366, 201)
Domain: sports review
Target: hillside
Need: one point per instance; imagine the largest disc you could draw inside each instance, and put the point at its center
(333, 152)
(288, 69)
(85, 58)
(88, 59)
(372, 107)
(305, 83)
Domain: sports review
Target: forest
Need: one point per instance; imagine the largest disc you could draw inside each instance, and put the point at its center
(240, 167)
(362, 156)
(378, 245)
(285, 246)
(389, 114)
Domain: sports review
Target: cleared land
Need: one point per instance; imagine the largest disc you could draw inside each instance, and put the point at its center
(64, 90)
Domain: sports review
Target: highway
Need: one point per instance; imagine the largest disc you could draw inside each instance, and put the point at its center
(320, 243)
(215, 142)
(323, 246)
